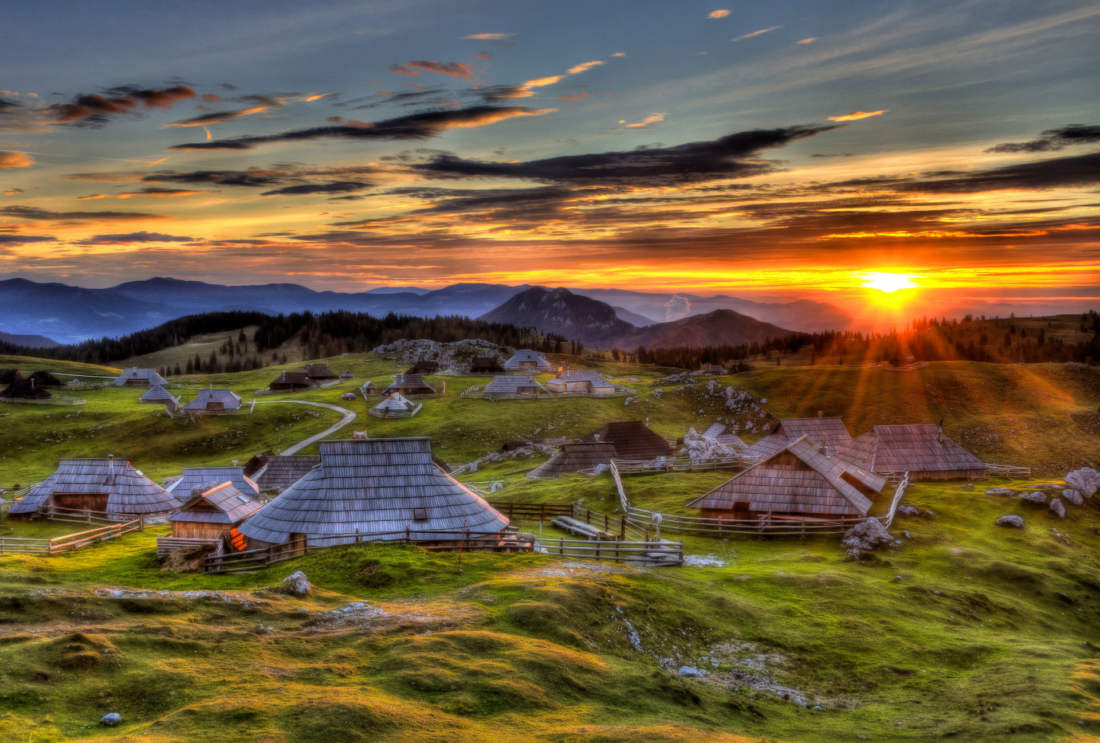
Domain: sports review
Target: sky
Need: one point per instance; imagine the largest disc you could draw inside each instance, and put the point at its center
(767, 150)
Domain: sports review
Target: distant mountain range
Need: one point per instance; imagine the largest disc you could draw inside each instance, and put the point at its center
(70, 314)
(596, 323)
(28, 341)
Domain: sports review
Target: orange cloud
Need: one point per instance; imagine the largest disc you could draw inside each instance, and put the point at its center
(716, 14)
(857, 115)
(15, 159)
(91, 197)
(754, 34)
(807, 40)
(619, 54)
(574, 98)
(316, 97)
(488, 37)
(647, 121)
(584, 66)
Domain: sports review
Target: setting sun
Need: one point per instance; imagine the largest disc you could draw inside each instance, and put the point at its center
(888, 282)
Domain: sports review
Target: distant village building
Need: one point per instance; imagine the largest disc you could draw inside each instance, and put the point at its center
(713, 370)
(633, 440)
(347, 375)
(135, 377)
(799, 480)
(199, 478)
(277, 473)
(109, 485)
(527, 360)
(214, 401)
(288, 381)
(921, 449)
(373, 490)
(409, 385)
(582, 456)
(44, 379)
(581, 382)
(157, 395)
(369, 388)
(319, 373)
(502, 387)
(21, 388)
(486, 365)
(830, 433)
(214, 513)
(395, 405)
(424, 366)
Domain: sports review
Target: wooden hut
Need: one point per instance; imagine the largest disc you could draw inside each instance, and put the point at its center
(214, 401)
(486, 365)
(395, 405)
(633, 440)
(581, 382)
(582, 456)
(526, 360)
(45, 379)
(373, 490)
(112, 486)
(921, 449)
(137, 377)
(347, 375)
(369, 388)
(409, 385)
(423, 367)
(503, 388)
(713, 370)
(289, 381)
(200, 478)
(212, 513)
(830, 433)
(277, 474)
(799, 480)
(319, 373)
(157, 395)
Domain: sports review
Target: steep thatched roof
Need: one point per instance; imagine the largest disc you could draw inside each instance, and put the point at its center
(214, 400)
(279, 473)
(196, 478)
(797, 479)
(158, 394)
(831, 432)
(410, 384)
(579, 457)
(136, 376)
(593, 379)
(509, 386)
(220, 504)
(129, 492)
(290, 379)
(525, 358)
(914, 448)
(319, 371)
(394, 404)
(369, 487)
(632, 440)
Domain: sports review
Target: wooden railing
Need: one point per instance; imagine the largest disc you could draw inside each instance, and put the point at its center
(67, 542)
(1007, 470)
(680, 464)
(532, 511)
(654, 553)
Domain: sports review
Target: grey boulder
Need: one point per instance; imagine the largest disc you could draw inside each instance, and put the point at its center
(1011, 521)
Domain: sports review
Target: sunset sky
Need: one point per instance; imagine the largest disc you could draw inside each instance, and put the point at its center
(767, 150)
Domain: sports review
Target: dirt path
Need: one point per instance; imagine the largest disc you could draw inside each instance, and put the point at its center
(349, 416)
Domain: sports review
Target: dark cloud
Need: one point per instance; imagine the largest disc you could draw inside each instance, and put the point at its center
(1053, 139)
(94, 109)
(728, 157)
(25, 239)
(6, 104)
(135, 237)
(312, 188)
(251, 178)
(1059, 172)
(414, 126)
(44, 215)
(451, 69)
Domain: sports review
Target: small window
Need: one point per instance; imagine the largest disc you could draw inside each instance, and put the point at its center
(420, 514)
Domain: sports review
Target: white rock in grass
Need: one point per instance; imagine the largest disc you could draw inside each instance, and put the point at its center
(110, 720)
(1057, 508)
(1086, 481)
(296, 584)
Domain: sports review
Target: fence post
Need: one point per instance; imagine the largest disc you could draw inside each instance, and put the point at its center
(407, 539)
(141, 522)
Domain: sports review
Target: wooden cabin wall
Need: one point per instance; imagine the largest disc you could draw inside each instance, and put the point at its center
(196, 530)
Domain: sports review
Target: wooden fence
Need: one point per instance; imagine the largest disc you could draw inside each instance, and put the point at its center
(1007, 470)
(651, 553)
(67, 542)
(680, 464)
(540, 511)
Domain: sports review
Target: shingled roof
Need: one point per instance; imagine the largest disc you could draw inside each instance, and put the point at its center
(129, 492)
(513, 386)
(797, 479)
(409, 384)
(579, 457)
(921, 449)
(220, 504)
(368, 487)
(279, 473)
(158, 394)
(830, 433)
(633, 440)
(525, 358)
(394, 404)
(214, 400)
(139, 377)
(195, 478)
(319, 371)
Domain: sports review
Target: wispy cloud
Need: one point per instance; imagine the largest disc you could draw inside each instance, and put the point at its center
(574, 98)
(450, 69)
(15, 159)
(807, 40)
(1053, 139)
(130, 238)
(647, 121)
(716, 14)
(584, 66)
(219, 117)
(489, 37)
(754, 34)
(857, 115)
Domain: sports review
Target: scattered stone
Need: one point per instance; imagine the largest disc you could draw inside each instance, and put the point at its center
(704, 561)
(1004, 492)
(296, 584)
(1057, 508)
(1035, 498)
(110, 720)
(866, 536)
(1085, 481)
(1011, 521)
(1072, 496)
(692, 671)
(699, 448)
(908, 511)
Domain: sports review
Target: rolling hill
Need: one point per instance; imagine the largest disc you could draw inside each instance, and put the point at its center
(28, 341)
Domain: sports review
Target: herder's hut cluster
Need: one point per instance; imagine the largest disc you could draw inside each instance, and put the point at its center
(106, 486)
(409, 385)
(526, 360)
(135, 377)
(581, 382)
(623, 440)
(507, 387)
(922, 450)
(200, 478)
(214, 401)
(213, 513)
(830, 433)
(274, 474)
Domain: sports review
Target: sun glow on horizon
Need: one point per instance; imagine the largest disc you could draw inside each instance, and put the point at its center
(887, 282)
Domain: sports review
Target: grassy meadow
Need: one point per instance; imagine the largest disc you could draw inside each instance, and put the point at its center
(966, 631)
